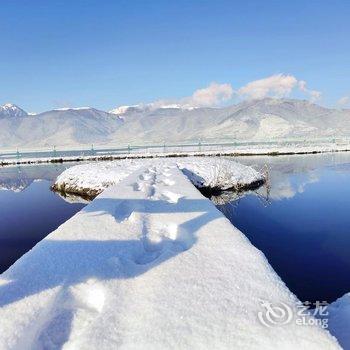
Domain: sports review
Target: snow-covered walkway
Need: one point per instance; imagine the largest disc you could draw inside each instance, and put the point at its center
(149, 264)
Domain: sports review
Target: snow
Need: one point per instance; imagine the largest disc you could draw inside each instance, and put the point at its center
(35, 155)
(72, 108)
(218, 173)
(149, 107)
(123, 109)
(11, 110)
(91, 179)
(150, 263)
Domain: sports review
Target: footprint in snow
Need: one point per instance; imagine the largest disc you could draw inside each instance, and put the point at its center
(168, 182)
(159, 238)
(171, 197)
(73, 311)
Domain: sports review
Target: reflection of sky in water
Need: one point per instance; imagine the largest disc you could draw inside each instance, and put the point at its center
(18, 178)
(28, 209)
(303, 227)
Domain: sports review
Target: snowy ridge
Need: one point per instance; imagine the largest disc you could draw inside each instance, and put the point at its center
(150, 263)
(149, 107)
(73, 108)
(123, 109)
(92, 179)
(259, 120)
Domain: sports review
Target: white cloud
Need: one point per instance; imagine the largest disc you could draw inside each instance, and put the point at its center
(278, 85)
(314, 94)
(213, 95)
(343, 101)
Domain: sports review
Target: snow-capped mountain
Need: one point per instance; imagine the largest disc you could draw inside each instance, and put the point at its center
(11, 110)
(64, 127)
(263, 119)
(255, 119)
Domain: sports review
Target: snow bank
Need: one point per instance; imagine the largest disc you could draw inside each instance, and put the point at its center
(216, 173)
(219, 173)
(150, 263)
(116, 152)
(91, 179)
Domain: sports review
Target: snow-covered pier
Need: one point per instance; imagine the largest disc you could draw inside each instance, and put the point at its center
(150, 263)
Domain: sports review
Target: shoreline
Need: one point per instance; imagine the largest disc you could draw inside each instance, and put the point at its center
(228, 153)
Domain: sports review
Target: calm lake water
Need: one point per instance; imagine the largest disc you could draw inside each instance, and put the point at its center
(29, 211)
(301, 221)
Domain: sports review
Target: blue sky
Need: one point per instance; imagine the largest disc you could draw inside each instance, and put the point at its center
(109, 53)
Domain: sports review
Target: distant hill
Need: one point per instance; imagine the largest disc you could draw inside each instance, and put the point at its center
(256, 120)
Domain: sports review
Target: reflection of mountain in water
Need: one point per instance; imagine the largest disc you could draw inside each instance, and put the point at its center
(15, 185)
(18, 178)
(287, 176)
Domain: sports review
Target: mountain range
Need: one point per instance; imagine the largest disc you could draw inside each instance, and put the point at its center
(263, 119)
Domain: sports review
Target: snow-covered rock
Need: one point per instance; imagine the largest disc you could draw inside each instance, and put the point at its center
(150, 263)
(209, 172)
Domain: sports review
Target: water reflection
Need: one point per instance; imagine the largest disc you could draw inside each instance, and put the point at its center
(28, 209)
(301, 221)
(18, 178)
